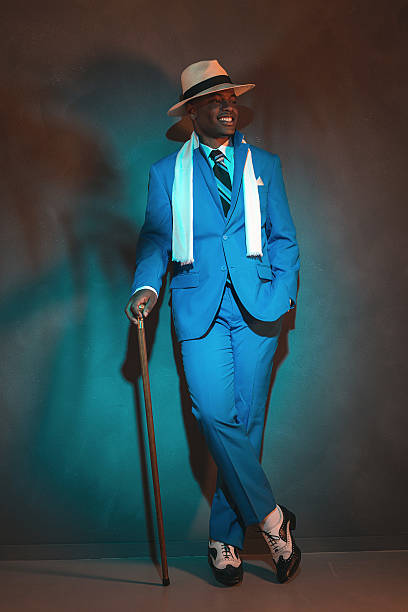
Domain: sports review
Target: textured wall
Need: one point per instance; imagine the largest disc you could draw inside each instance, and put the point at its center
(84, 90)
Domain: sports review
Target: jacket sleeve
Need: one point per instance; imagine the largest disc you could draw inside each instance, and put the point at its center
(154, 244)
(283, 249)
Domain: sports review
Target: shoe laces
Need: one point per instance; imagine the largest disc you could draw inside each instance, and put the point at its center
(226, 551)
(273, 540)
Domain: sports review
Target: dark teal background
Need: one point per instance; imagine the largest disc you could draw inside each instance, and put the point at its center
(84, 90)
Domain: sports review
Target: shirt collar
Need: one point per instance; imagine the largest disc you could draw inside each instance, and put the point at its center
(226, 149)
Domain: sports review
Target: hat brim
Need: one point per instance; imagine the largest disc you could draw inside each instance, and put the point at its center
(179, 109)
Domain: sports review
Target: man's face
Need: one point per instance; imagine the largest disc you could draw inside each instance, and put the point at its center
(216, 114)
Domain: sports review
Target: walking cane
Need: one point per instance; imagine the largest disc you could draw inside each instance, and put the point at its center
(152, 446)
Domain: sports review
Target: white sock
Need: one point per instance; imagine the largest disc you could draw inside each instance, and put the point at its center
(273, 521)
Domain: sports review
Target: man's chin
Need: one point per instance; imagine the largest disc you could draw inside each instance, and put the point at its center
(227, 130)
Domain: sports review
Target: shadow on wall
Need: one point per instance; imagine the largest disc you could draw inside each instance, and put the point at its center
(78, 153)
(68, 149)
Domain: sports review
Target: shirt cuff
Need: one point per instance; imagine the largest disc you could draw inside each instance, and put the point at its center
(145, 287)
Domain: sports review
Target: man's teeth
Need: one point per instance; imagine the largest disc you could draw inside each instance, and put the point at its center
(226, 119)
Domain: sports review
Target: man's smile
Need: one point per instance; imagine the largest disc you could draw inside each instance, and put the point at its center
(226, 119)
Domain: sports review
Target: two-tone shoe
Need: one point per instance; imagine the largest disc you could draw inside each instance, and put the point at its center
(285, 552)
(225, 563)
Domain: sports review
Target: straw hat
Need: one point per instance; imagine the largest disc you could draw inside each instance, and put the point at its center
(203, 78)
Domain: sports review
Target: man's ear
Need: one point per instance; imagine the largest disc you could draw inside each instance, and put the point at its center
(191, 111)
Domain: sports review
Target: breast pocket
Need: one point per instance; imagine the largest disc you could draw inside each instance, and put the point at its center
(184, 281)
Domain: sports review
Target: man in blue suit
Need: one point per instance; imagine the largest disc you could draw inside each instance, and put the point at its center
(218, 206)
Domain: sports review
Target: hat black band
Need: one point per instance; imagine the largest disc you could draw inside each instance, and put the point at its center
(203, 85)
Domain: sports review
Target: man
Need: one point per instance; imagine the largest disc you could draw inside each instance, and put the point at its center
(219, 207)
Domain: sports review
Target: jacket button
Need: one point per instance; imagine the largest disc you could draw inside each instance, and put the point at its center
(223, 268)
(225, 237)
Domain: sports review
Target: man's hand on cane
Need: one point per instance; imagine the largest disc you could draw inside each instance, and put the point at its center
(144, 298)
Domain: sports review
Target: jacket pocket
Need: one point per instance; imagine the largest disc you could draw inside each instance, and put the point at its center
(184, 280)
(264, 271)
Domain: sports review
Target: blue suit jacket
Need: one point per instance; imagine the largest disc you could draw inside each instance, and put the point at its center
(264, 285)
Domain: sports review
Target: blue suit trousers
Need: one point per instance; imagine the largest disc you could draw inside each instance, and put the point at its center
(228, 374)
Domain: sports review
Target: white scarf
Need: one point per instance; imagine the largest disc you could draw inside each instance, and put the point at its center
(182, 200)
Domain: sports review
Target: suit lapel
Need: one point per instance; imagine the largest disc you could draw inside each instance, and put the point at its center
(209, 177)
(240, 154)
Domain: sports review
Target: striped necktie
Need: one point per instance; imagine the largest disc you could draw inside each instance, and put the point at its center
(223, 179)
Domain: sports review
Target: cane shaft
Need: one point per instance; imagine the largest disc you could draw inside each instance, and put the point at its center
(152, 448)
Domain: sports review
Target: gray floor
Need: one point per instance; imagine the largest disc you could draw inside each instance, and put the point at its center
(325, 581)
